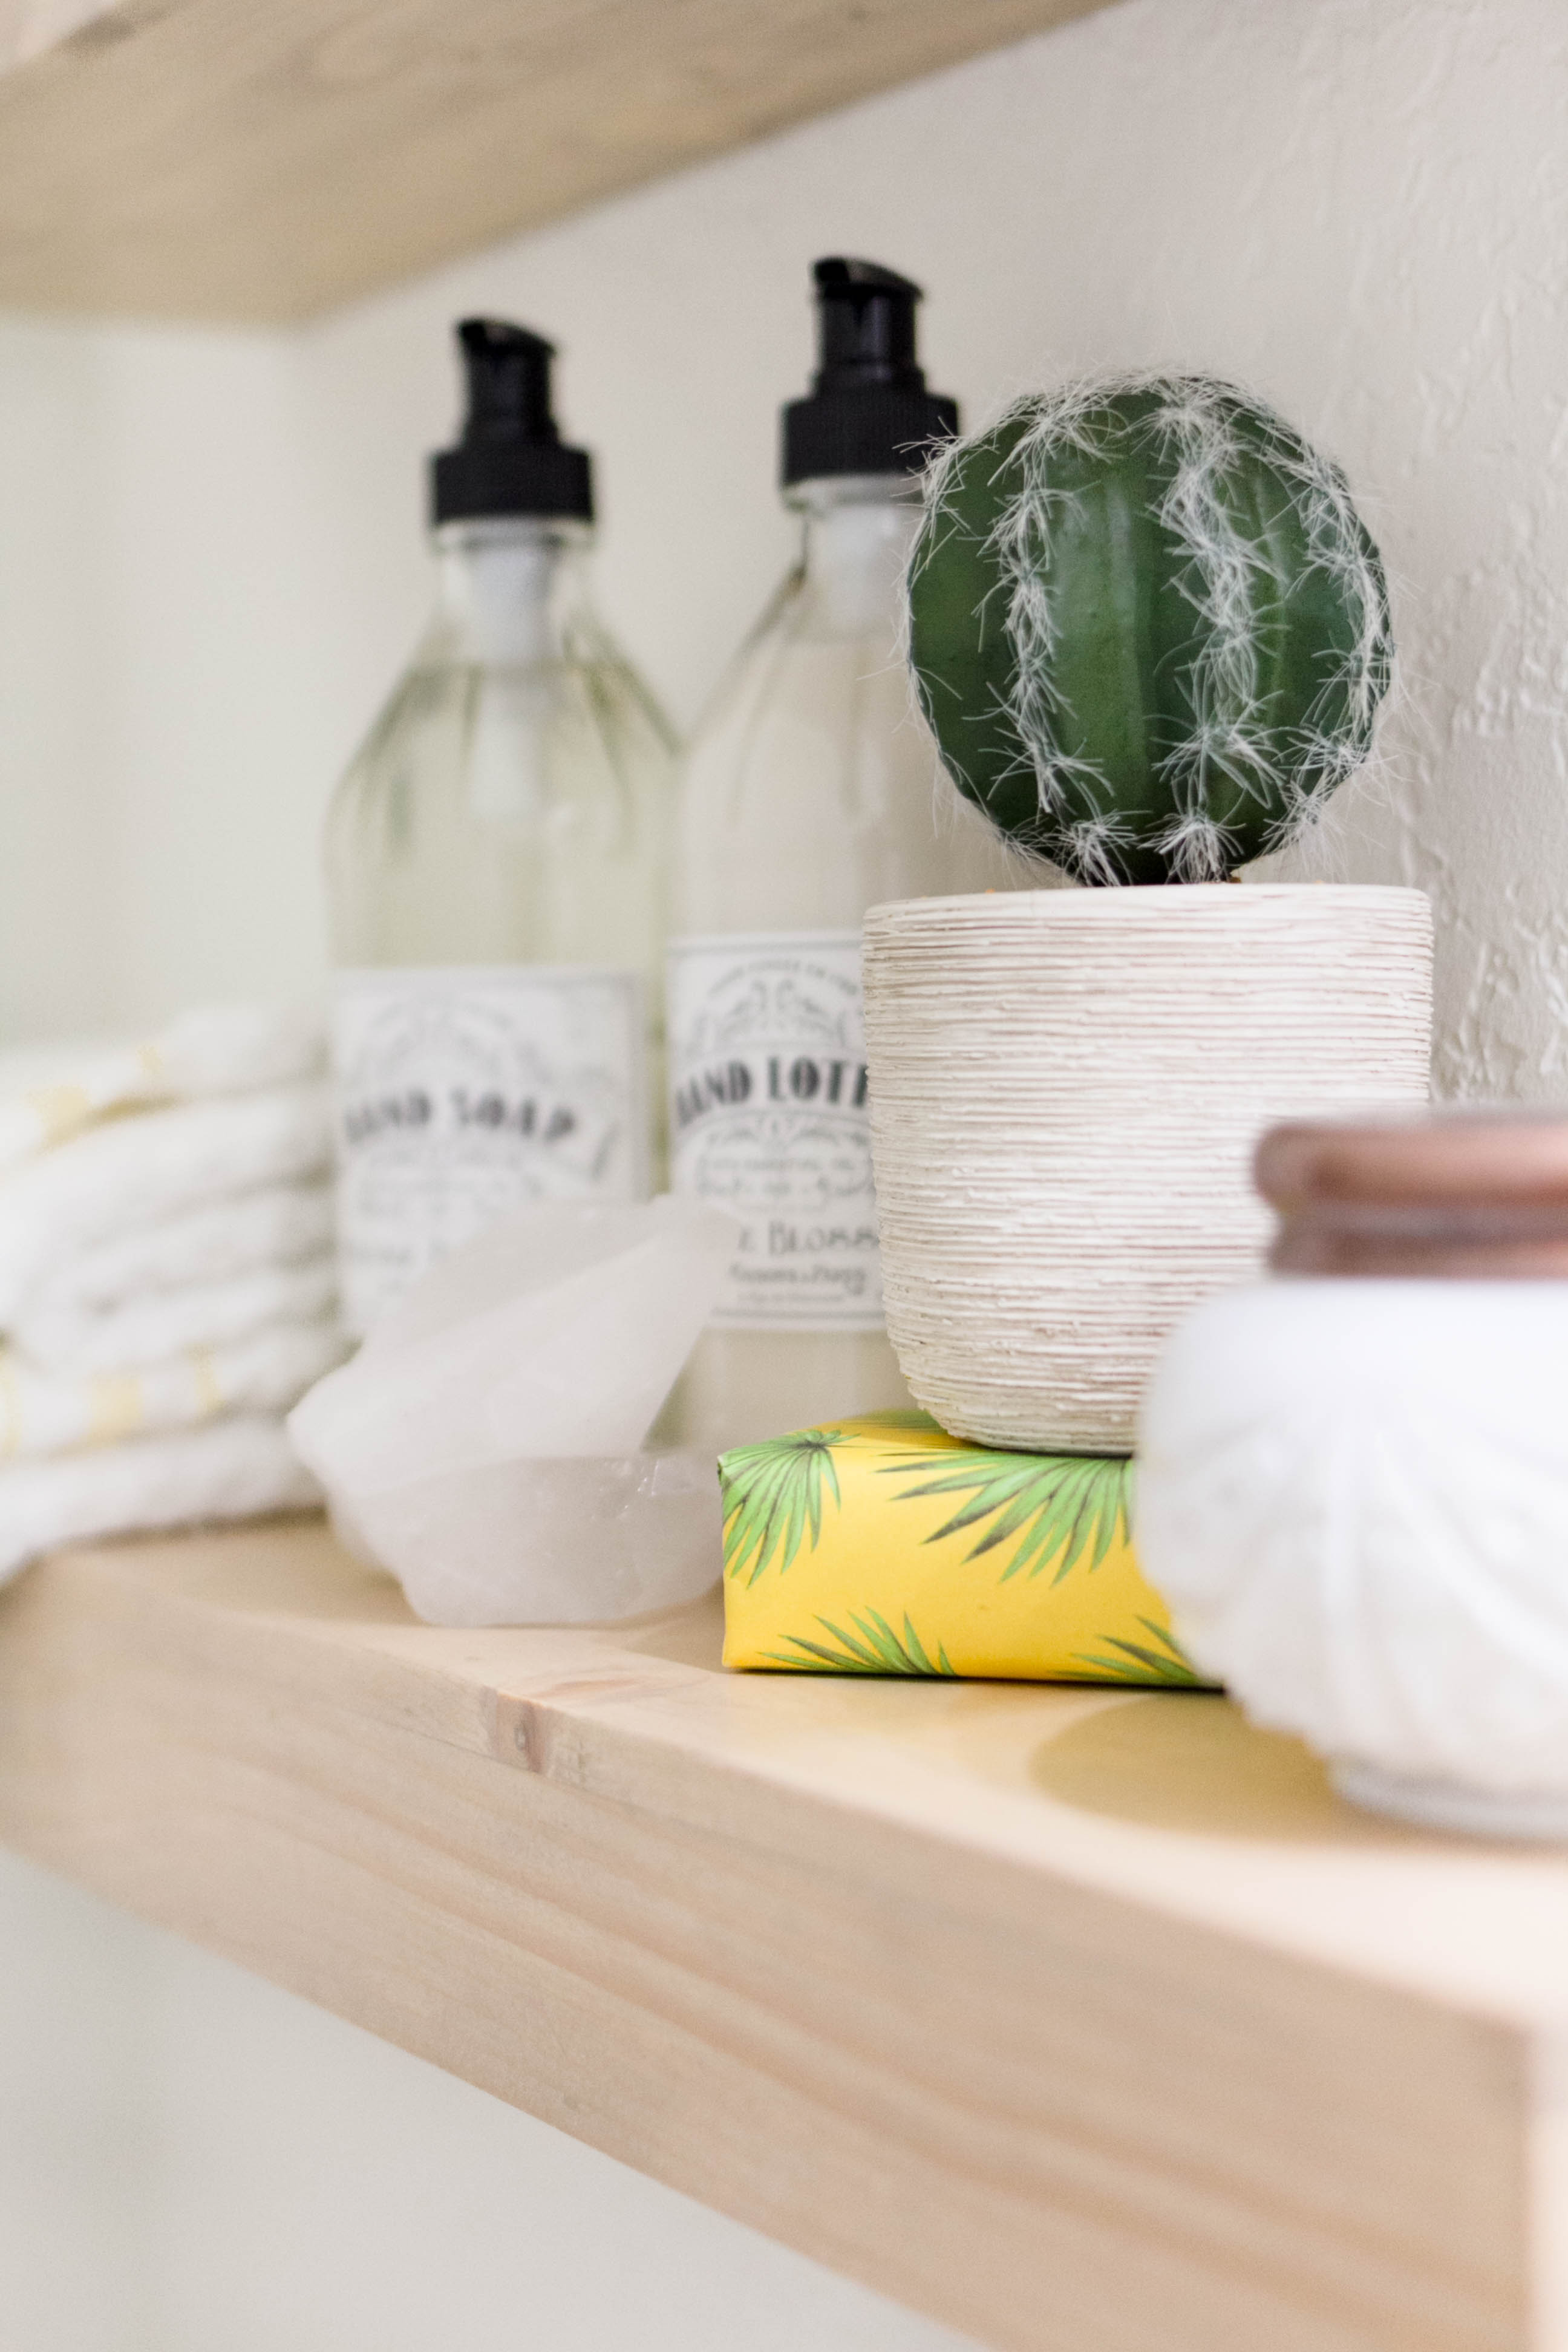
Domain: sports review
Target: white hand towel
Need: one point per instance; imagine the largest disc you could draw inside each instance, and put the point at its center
(230, 1470)
(52, 1413)
(137, 1171)
(149, 1328)
(217, 1050)
(280, 1225)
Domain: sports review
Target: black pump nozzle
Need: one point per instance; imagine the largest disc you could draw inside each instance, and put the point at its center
(510, 459)
(868, 411)
(508, 373)
(866, 326)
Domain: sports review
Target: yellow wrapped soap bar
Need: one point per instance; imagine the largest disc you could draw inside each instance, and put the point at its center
(881, 1546)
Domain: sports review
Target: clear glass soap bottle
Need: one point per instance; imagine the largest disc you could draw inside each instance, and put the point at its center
(812, 791)
(497, 859)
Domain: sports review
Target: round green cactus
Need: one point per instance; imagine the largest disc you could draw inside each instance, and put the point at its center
(1147, 627)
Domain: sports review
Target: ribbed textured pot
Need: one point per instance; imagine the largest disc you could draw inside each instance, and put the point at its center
(1065, 1089)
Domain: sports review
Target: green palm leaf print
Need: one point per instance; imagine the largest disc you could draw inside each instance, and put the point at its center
(873, 1648)
(1061, 1507)
(1167, 1661)
(773, 1497)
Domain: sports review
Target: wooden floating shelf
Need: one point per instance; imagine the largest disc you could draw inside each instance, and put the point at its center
(1075, 2018)
(261, 159)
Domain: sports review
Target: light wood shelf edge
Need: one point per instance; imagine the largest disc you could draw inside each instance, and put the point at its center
(263, 160)
(978, 1993)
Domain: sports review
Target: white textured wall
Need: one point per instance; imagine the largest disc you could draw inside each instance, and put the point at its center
(1358, 206)
(209, 567)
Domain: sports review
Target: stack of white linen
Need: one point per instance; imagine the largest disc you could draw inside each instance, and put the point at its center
(167, 1281)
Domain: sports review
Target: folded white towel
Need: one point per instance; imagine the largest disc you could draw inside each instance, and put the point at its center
(133, 1173)
(281, 1224)
(53, 1412)
(167, 1281)
(149, 1328)
(217, 1050)
(230, 1470)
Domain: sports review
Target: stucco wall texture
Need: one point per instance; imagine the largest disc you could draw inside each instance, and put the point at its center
(1417, 149)
(1358, 207)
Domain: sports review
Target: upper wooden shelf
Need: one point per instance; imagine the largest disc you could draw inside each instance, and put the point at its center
(261, 159)
(1075, 2018)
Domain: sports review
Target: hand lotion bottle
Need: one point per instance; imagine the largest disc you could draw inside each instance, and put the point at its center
(497, 864)
(812, 791)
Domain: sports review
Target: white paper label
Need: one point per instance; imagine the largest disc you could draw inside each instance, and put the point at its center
(463, 1093)
(768, 1118)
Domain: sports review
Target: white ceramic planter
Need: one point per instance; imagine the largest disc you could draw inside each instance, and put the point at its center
(1354, 1497)
(1065, 1089)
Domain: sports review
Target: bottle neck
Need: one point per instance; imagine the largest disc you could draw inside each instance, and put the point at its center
(858, 532)
(502, 584)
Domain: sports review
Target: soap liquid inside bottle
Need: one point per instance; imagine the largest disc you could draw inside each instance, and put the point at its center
(497, 856)
(812, 791)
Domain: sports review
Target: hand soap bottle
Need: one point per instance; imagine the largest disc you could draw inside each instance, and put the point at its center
(497, 864)
(812, 791)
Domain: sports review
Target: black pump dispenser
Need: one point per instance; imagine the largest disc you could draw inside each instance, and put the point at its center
(868, 411)
(512, 459)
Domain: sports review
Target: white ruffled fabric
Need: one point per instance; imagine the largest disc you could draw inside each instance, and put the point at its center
(280, 1225)
(234, 1469)
(165, 1262)
(129, 1172)
(267, 1371)
(225, 1049)
(149, 1328)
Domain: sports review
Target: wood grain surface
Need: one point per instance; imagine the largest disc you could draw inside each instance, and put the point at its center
(255, 160)
(1073, 2018)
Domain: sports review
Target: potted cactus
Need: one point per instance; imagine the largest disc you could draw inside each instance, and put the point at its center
(1148, 628)
(1150, 636)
